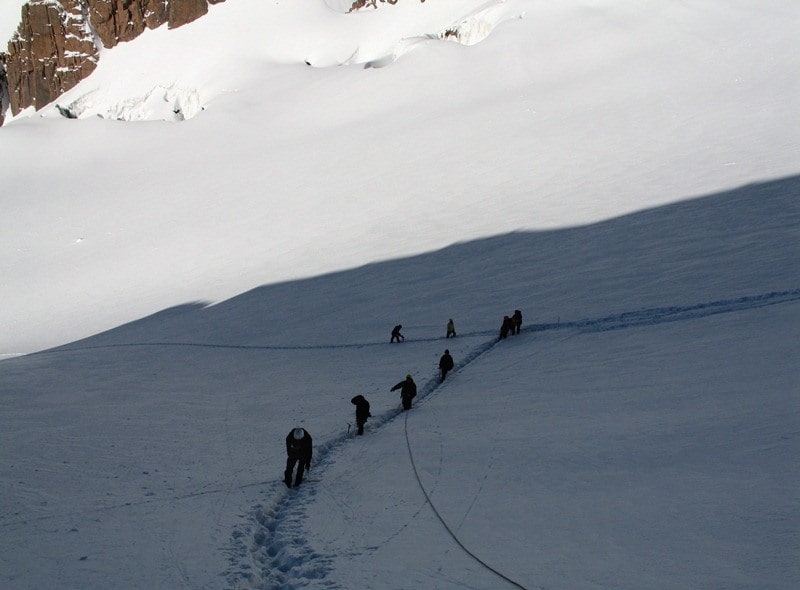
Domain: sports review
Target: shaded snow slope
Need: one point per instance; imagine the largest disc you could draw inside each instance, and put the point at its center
(608, 460)
(738, 244)
(640, 432)
(571, 115)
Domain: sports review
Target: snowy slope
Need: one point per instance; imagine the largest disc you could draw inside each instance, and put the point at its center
(640, 432)
(623, 173)
(569, 115)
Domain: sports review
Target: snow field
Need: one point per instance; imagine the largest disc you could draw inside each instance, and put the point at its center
(626, 175)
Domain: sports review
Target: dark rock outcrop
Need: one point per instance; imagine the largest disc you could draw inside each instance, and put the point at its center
(54, 47)
(359, 4)
(123, 20)
(3, 88)
(185, 11)
(52, 50)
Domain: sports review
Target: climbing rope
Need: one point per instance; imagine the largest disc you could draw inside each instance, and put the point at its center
(445, 525)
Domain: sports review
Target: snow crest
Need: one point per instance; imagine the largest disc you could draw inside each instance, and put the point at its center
(343, 6)
(479, 25)
(470, 30)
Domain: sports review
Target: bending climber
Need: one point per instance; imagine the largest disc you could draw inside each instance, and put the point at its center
(298, 451)
(396, 335)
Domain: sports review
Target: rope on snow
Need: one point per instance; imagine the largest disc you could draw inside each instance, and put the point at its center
(445, 525)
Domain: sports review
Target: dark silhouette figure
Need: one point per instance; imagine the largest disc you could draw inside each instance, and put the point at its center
(396, 335)
(451, 329)
(506, 327)
(516, 321)
(298, 451)
(408, 391)
(446, 363)
(362, 412)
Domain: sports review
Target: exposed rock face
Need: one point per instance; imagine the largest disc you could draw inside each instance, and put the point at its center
(117, 21)
(3, 88)
(52, 51)
(54, 47)
(358, 4)
(185, 11)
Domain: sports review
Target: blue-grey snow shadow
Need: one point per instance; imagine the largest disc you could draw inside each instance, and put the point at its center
(678, 260)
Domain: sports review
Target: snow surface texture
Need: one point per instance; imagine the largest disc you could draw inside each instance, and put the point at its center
(570, 115)
(641, 431)
(626, 174)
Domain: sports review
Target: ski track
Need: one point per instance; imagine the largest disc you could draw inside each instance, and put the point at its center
(269, 551)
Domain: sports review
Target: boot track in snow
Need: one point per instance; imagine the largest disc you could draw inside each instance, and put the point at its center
(269, 551)
(277, 554)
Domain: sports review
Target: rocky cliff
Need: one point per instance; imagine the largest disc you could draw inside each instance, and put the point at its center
(358, 4)
(57, 41)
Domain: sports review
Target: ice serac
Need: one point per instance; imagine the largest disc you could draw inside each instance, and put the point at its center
(55, 46)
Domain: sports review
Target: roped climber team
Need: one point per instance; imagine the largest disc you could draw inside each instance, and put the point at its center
(299, 443)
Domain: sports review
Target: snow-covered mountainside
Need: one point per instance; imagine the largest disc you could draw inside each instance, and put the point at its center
(214, 251)
(640, 432)
(58, 43)
(567, 116)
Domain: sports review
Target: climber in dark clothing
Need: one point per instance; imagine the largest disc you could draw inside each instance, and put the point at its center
(396, 335)
(446, 363)
(362, 412)
(516, 322)
(298, 451)
(508, 326)
(408, 391)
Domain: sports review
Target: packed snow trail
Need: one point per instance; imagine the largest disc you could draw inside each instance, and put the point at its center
(628, 319)
(265, 554)
(276, 554)
(286, 561)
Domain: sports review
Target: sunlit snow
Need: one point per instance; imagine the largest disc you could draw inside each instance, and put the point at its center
(216, 249)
